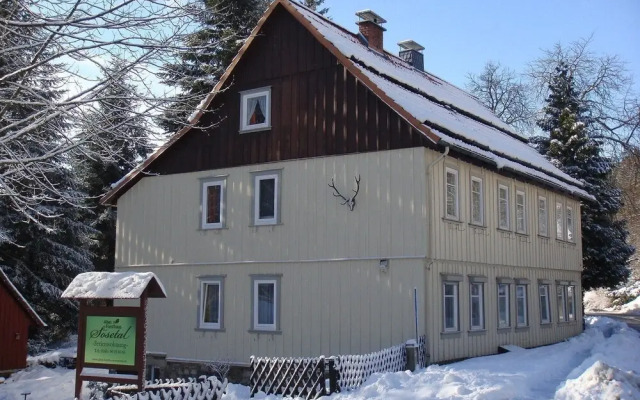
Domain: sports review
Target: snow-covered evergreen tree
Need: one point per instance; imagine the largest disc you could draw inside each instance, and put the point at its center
(316, 5)
(224, 27)
(43, 245)
(605, 251)
(122, 131)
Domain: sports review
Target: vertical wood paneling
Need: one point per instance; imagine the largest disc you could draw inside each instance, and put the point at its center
(14, 323)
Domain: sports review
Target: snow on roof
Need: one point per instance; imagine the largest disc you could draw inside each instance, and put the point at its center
(457, 117)
(25, 304)
(114, 285)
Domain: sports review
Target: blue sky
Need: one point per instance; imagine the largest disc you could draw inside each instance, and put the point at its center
(461, 36)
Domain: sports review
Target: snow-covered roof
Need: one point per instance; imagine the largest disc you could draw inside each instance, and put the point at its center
(459, 119)
(114, 285)
(20, 299)
(444, 113)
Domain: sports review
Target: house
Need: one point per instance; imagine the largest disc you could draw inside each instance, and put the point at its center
(16, 317)
(332, 180)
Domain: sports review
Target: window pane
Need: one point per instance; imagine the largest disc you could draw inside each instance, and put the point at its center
(571, 304)
(521, 304)
(559, 221)
(476, 202)
(569, 223)
(503, 305)
(561, 305)
(452, 194)
(256, 108)
(267, 205)
(266, 303)
(542, 216)
(520, 212)
(544, 304)
(450, 306)
(503, 208)
(212, 304)
(213, 204)
(476, 306)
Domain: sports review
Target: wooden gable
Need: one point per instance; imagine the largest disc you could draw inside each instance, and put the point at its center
(318, 108)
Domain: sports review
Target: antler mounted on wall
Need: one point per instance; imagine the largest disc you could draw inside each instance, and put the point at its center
(351, 201)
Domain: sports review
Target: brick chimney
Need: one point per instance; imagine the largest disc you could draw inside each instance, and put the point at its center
(370, 25)
(411, 52)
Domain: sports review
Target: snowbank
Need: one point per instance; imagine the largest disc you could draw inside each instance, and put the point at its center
(601, 363)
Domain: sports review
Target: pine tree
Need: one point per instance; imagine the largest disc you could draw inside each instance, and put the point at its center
(314, 5)
(605, 251)
(123, 132)
(225, 26)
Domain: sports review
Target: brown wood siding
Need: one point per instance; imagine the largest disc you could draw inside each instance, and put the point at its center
(14, 331)
(318, 108)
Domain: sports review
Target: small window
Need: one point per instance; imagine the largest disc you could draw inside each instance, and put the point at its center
(503, 305)
(521, 305)
(545, 316)
(543, 217)
(266, 197)
(255, 109)
(562, 306)
(521, 213)
(503, 207)
(477, 201)
(476, 304)
(559, 222)
(571, 303)
(570, 223)
(211, 291)
(450, 306)
(452, 193)
(265, 304)
(213, 203)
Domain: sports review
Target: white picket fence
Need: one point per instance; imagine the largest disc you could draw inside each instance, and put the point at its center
(355, 369)
(205, 388)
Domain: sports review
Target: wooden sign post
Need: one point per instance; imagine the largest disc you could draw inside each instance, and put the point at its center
(112, 338)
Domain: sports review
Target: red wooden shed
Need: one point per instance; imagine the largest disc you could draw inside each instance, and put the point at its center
(16, 316)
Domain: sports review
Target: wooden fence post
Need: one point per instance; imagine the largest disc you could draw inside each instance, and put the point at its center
(334, 386)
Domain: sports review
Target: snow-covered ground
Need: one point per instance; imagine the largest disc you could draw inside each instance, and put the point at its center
(601, 363)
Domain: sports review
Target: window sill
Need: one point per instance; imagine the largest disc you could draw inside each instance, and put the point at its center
(265, 332)
(543, 237)
(452, 220)
(263, 128)
(254, 225)
(217, 229)
(477, 332)
(450, 335)
(504, 329)
(201, 329)
(546, 325)
(523, 328)
(565, 242)
(478, 226)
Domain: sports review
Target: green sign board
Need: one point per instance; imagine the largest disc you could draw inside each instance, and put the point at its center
(110, 340)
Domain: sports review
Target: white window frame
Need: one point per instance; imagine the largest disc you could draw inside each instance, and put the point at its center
(456, 201)
(456, 324)
(265, 327)
(257, 196)
(505, 203)
(543, 217)
(544, 303)
(569, 218)
(247, 95)
(480, 203)
(561, 303)
(571, 302)
(480, 298)
(521, 224)
(507, 323)
(204, 283)
(522, 315)
(206, 184)
(559, 220)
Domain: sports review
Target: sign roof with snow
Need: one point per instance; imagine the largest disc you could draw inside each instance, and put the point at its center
(114, 285)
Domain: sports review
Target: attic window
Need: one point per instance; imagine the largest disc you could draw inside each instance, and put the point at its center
(255, 109)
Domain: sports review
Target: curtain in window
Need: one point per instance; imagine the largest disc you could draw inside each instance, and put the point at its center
(212, 304)
(256, 109)
(266, 303)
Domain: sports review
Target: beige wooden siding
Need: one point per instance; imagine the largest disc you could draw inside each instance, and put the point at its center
(327, 308)
(159, 218)
(462, 241)
(451, 346)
